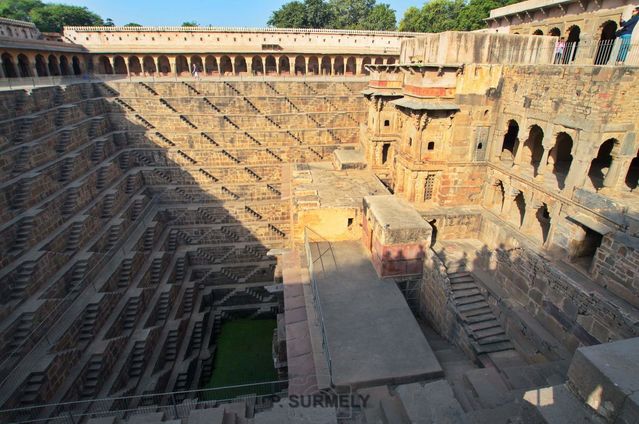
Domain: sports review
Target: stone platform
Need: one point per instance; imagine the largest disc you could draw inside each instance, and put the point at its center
(371, 334)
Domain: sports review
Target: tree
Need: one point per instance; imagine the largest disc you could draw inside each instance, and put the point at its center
(18, 9)
(380, 18)
(434, 16)
(290, 15)
(347, 14)
(449, 15)
(109, 22)
(318, 14)
(295, 14)
(52, 17)
(338, 14)
(132, 24)
(412, 20)
(189, 24)
(49, 17)
(473, 15)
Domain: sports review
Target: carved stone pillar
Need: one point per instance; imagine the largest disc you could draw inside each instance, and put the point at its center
(617, 172)
(509, 200)
(358, 65)
(172, 65)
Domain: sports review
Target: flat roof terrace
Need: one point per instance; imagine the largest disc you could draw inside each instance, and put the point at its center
(371, 335)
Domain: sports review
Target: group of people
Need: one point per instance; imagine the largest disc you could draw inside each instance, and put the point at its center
(564, 52)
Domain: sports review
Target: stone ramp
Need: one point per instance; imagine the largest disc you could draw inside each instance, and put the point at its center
(371, 333)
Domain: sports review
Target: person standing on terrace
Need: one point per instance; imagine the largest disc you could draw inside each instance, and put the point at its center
(624, 33)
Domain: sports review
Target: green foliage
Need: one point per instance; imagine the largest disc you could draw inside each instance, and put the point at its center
(48, 17)
(290, 15)
(449, 15)
(380, 18)
(52, 17)
(348, 14)
(132, 24)
(109, 22)
(18, 9)
(338, 14)
(189, 24)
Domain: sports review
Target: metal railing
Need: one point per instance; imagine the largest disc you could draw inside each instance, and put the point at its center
(174, 405)
(316, 300)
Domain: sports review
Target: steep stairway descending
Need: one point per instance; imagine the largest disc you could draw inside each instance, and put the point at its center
(480, 323)
(137, 359)
(148, 88)
(21, 332)
(90, 382)
(191, 88)
(88, 322)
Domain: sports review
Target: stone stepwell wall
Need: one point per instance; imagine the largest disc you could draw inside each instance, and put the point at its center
(536, 298)
(134, 222)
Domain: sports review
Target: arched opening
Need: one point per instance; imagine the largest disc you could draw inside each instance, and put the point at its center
(240, 65)
(181, 66)
(433, 236)
(149, 65)
(135, 68)
(119, 66)
(75, 63)
(390, 61)
(23, 66)
(64, 66)
(164, 66)
(326, 66)
(533, 148)
(543, 218)
(498, 197)
(632, 177)
(300, 65)
(518, 212)
(313, 65)
(270, 66)
(257, 67)
(606, 41)
(54, 68)
(104, 66)
(601, 163)
(210, 65)
(226, 67)
(572, 43)
(41, 66)
(385, 150)
(338, 66)
(197, 61)
(285, 65)
(511, 140)
(8, 66)
(538, 32)
(351, 66)
(379, 61)
(555, 32)
(560, 157)
(366, 61)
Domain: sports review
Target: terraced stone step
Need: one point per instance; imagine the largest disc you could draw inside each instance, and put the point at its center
(488, 332)
(468, 292)
(479, 315)
(467, 300)
(474, 305)
(482, 325)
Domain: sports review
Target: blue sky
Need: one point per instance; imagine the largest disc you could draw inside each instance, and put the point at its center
(250, 13)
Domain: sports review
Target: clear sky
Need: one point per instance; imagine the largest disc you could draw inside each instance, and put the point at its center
(248, 13)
